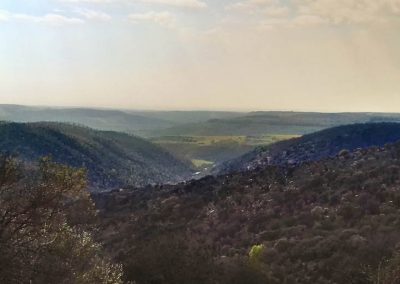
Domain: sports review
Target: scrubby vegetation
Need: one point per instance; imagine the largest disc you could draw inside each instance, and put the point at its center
(112, 159)
(315, 146)
(331, 221)
(328, 218)
(46, 224)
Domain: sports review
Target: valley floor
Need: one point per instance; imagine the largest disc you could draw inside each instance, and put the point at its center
(205, 152)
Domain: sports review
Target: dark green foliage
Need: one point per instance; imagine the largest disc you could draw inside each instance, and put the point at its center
(112, 159)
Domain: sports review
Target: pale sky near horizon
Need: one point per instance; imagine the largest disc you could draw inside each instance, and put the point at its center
(322, 55)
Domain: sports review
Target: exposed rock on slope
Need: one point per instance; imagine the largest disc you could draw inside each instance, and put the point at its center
(315, 146)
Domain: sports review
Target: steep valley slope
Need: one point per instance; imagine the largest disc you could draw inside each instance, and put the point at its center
(315, 146)
(331, 221)
(112, 159)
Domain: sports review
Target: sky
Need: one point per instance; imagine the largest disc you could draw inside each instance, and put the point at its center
(310, 55)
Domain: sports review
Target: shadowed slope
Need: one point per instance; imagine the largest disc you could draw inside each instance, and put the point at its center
(112, 159)
(316, 146)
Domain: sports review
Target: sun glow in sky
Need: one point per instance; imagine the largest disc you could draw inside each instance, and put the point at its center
(325, 55)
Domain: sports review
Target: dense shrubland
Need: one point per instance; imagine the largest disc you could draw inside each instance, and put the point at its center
(332, 221)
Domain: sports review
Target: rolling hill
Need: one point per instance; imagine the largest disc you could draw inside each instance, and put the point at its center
(185, 117)
(102, 119)
(192, 123)
(112, 159)
(274, 123)
(315, 146)
(330, 221)
(130, 121)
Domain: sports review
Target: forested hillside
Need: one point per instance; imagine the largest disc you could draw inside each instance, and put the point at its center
(331, 221)
(112, 159)
(315, 146)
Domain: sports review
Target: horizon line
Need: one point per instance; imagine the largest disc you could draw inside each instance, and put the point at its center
(144, 109)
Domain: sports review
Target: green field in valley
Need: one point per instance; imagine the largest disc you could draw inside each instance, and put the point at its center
(206, 151)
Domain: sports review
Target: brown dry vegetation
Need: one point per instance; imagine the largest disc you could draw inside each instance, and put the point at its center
(333, 221)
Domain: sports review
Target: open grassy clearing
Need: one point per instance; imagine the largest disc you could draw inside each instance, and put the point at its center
(211, 140)
(207, 151)
(201, 163)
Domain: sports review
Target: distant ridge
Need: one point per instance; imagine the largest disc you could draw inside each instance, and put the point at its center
(130, 121)
(101, 119)
(112, 159)
(192, 123)
(276, 122)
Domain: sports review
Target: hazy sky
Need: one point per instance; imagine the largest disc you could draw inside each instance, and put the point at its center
(327, 55)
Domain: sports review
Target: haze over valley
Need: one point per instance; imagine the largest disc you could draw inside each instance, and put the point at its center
(199, 141)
